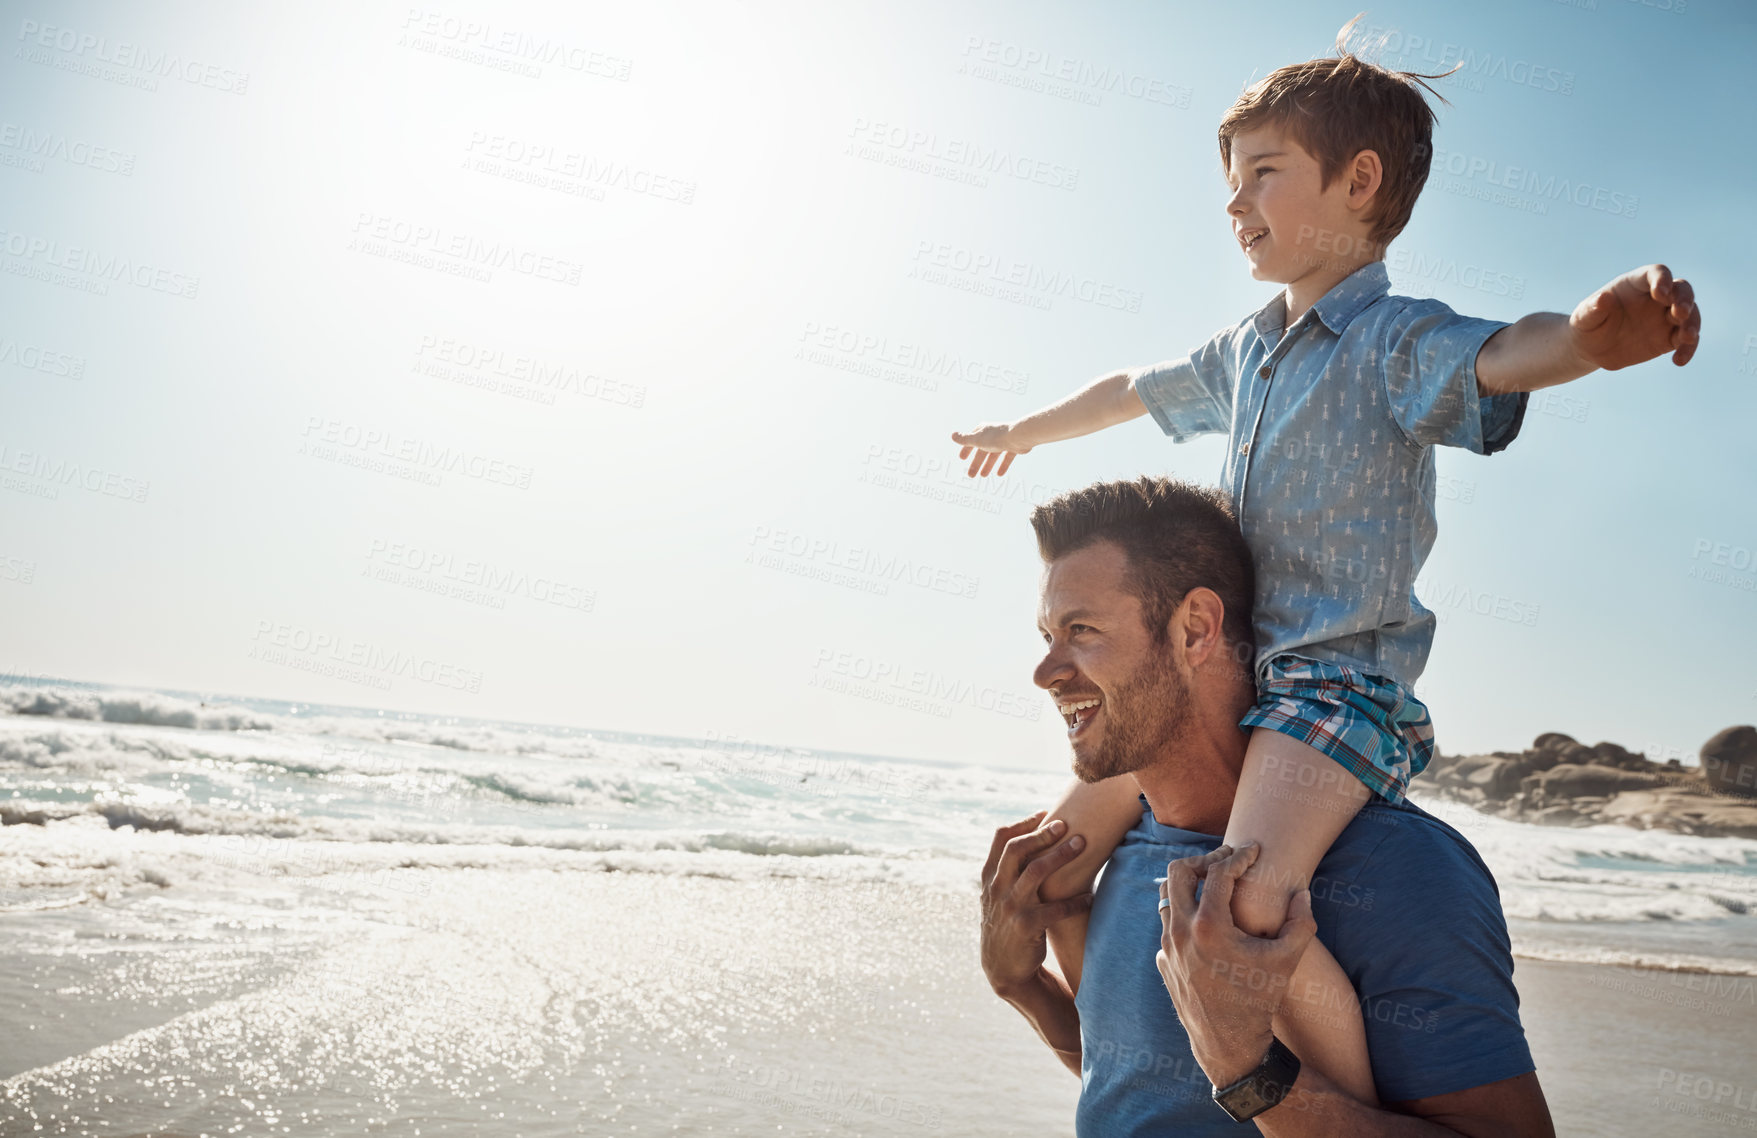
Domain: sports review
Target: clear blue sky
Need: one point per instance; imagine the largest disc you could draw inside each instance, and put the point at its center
(730, 308)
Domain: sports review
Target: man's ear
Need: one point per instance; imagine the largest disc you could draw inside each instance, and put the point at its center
(1202, 633)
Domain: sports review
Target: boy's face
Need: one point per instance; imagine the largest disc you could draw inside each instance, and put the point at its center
(1285, 225)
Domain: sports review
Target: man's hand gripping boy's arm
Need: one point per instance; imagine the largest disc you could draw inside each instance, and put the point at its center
(1014, 918)
(1639, 316)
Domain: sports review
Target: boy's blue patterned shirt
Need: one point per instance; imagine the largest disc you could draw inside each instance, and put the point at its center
(1330, 463)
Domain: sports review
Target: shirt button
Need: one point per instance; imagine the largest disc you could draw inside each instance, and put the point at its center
(1244, 449)
(1265, 371)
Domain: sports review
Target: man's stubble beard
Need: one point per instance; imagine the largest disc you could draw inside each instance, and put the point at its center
(1145, 712)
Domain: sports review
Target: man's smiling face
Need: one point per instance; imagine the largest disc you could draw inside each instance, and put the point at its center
(1119, 692)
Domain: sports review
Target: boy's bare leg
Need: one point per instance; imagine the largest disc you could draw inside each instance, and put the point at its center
(1293, 801)
(1101, 812)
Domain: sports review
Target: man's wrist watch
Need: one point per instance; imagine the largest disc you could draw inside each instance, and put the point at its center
(1262, 1088)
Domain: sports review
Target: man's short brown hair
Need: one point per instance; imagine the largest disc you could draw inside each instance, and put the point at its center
(1336, 108)
(1176, 535)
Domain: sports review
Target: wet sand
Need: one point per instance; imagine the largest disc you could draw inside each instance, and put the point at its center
(547, 1000)
(1636, 1052)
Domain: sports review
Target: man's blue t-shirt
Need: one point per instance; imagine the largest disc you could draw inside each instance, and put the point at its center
(1404, 904)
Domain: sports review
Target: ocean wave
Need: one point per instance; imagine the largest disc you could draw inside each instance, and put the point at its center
(578, 790)
(150, 709)
(1548, 891)
(215, 821)
(471, 739)
(318, 741)
(352, 776)
(91, 749)
(158, 709)
(1637, 961)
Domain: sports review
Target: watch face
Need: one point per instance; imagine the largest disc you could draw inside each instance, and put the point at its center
(1251, 1098)
(1262, 1088)
(1247, 1099)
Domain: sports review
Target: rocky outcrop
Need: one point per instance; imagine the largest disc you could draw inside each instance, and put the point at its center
(1560, 781)
(1684, 809)
(1729, 761)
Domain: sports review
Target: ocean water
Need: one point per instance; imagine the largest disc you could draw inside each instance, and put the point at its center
(244, 916)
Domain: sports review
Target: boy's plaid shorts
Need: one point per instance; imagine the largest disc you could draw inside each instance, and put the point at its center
(1373, 726)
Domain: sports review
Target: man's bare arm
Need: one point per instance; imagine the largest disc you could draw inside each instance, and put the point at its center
(1013, 924)
(1510, 1108)
(1048, 1005)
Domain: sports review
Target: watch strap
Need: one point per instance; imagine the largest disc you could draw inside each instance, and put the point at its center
(1263, 1087)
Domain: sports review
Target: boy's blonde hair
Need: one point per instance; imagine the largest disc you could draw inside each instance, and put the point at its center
(1336, 108)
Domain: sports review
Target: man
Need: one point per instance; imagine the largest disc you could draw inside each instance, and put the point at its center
(1145, 607)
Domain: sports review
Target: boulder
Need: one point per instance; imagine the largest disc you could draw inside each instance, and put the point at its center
(1450, 771)
(1551, 740)
(1464, 766)
(1572, 752)
(1497, 778)
(1729, 762)
(1588, 780)
(1613, 755)
(1540, 760)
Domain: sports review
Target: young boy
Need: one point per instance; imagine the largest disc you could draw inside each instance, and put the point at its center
(1333, 397)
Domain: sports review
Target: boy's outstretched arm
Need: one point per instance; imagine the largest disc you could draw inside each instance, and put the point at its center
(1640, 315)
(1104, 402)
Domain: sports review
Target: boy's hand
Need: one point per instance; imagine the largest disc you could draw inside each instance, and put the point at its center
(1640, 315)
(990, 441)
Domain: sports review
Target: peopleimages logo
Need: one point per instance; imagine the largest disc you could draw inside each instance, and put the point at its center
(475, 574)
(1544, 187)
(855, 566)
(907, 145)
(76, 259)
(293, 645)
(86, 50)
(517, 374)
(1475, 64)
(553, 166)
(986, 57)
(36, 358)
(325, 438)
(1012, 279)
(431, 246)
(1451, 271)
(932, 685)
(47, 473)
(1444, 599)
(901, 362)
(512, 46)
(35, 146)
